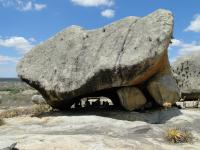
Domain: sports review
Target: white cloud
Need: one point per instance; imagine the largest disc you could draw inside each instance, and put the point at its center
(32, 39)
(19, 43)
(6, 3)
(171, 60)
(108, 13)
(39, 7)
(180, 48)
(23, 5)
(194, 24)
(176, 42)
(185, 48)
(26, 7)
(7, 59)
(93, 3)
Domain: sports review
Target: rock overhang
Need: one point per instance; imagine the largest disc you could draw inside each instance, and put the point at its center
(76, 62)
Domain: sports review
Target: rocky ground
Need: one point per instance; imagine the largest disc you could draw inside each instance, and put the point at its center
(100, 129)
(92, 128)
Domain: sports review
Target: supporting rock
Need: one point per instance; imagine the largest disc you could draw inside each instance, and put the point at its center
(163, 89)
(131, 98)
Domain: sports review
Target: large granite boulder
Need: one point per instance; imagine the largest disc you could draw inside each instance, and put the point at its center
(77, 63)
(186, 70)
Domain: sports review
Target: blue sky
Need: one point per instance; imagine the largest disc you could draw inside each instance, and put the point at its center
(25, 23)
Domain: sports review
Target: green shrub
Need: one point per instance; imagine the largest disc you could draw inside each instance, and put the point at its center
(1, 122)
(11, 90)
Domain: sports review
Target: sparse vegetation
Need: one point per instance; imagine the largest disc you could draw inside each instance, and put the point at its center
(33, 110)
(178, 135)
(1, 122)
(11, 90)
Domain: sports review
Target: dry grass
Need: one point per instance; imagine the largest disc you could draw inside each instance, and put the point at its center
(178, 135)
(33, 110)
(1, 122)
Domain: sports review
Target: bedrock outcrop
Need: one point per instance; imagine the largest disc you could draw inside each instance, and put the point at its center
(186, 70)
(77, 63)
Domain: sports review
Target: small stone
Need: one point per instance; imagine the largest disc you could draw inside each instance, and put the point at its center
(38, 99)
(164, 90)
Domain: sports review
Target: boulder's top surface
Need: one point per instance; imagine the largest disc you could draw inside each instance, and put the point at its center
(78, 62)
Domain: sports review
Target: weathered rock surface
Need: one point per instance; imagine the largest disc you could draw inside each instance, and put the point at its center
(186, 70)
(163, 89)
(131, 98)
(109, 130)
(78, 63)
